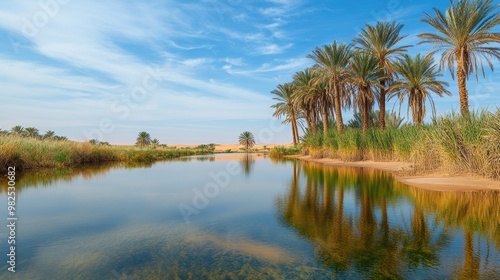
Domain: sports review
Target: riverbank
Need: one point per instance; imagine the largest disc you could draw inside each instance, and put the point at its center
(33, 154)
(430, 181)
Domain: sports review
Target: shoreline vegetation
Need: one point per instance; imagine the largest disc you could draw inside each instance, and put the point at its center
(375, 67)
(31, 154)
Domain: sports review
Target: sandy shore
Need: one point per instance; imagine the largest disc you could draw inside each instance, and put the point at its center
(435, 182)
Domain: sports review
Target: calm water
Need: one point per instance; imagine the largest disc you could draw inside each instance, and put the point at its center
(246, 217)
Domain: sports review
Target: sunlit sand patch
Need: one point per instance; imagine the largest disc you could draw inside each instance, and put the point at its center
(250, 248)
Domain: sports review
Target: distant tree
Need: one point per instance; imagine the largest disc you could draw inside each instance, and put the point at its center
(94, 142)
(143, 139)
(4, 132)
(18, 131)
(49, 135)
(155, 142)
(32, 132)
(104, 143)
(247, 139)
(60, 138)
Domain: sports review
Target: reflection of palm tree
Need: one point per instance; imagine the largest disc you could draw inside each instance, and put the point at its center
(246, 162)
(472, 262)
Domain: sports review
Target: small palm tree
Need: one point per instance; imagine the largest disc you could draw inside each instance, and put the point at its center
(94, 142)
(381, 40)
(32, 132)
(18, 131)
(364, 77)
(143, 139)
(464, 35)
(285, 107)
(246, 139)
(49, 134)
(418, 80)
(155, 142)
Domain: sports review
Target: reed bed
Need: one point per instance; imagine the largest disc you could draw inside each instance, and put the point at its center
(451, 144)
(29, 153)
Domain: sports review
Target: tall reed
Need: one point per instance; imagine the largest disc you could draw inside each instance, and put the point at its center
(451, 144)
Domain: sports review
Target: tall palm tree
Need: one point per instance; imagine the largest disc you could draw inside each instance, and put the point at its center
(308, 95)
(334, 60)
(32, 132)
(418, 78)
(18, 131)
(464, 35)
(285, 107)
(381, 40)
(143, 139)
(364, 78)
(247, 139)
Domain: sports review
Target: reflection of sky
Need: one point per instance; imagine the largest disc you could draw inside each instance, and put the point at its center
(130, 219)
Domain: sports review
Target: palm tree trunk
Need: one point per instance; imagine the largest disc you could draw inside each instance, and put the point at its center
(324, 114)
(294, 129)
(381, 102)
(462, 86)
(365, 113)
(338, 108)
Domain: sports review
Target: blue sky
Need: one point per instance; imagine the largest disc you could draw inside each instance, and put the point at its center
(185, 71)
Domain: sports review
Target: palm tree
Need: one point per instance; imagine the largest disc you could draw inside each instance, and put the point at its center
(49, 134)
(31, 132)
(285, 107)
(307, 95)
(246, 139)
(18, 131)
(155, 142)
(143, 139)
(381, 40)
(464, 35)
(418, 80)
(334, 60)
(364, 77)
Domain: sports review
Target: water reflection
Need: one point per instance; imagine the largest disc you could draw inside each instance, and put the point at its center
(246, 163)
(361, 220)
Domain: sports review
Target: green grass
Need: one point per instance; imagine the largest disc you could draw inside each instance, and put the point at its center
(280, 151)
(451, 143)
(30, 154)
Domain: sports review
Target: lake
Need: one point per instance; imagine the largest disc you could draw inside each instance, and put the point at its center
(237, 216)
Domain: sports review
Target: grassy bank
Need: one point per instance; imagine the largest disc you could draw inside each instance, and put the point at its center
(29, 153)
(451, 144)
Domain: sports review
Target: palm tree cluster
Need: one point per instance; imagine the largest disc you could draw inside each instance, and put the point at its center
(375, 67)
(32, 132)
